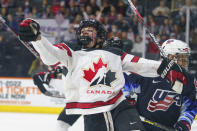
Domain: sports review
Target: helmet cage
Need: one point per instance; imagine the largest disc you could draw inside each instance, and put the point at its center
(101, 33)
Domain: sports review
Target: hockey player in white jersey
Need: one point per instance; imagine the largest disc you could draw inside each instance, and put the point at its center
(85, 96)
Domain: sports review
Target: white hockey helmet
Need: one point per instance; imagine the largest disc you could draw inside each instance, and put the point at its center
(173, 47)
(177, 50)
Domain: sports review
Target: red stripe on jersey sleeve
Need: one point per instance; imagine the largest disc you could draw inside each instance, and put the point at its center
(122, 57)
(93, 105)
(135, 59)
(64, 46)
(56, 64)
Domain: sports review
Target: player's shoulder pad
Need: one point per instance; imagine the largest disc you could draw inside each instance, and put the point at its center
(113, 50)
(73, 45)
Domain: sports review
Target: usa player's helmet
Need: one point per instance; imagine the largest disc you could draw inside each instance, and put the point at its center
(173, 47)
(101, 32)
(177, 50)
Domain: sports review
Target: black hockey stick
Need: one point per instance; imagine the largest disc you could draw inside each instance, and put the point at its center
(147, 28)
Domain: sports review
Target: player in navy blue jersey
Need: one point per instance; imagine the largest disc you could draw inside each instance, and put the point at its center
(161, 107)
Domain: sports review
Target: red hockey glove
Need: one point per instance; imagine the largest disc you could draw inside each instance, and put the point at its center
(175, 75)
(29, 30)
(182, 126)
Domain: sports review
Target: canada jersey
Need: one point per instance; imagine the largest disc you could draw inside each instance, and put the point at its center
(158, 102)
(94, 79)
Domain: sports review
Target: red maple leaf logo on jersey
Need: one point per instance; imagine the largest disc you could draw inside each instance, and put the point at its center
(90, 74)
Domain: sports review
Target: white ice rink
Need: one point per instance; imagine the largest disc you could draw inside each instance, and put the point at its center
(38, 122)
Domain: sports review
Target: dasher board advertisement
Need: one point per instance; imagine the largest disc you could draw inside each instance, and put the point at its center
(21, 95)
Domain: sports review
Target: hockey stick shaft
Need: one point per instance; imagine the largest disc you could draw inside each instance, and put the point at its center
(27, 45)
(147, 28)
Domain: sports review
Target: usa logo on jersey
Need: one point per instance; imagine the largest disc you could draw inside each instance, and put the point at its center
(163, 99)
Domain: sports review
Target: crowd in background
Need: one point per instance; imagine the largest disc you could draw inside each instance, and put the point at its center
(115, 15)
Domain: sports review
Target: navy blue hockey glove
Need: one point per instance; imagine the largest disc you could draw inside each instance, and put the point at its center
(174, 74)
(29, 30)
(182, 126)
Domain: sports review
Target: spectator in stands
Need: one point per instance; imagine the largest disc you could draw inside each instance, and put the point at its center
(87, 12)
(77, 20)
(106, 23)
(135, 25)
(127, 44)
(182, 23)
(93, 5)
(131, 35)
(114, 32)
(121, 8)
(4, 12)
(122, 24)
(73, 9)
(56, 7)
(7, 3)
(138, 45)
(65, 12)
(44, 4)
(193, 12)
(12, 23)
(47, 13)
(188, 4)
(35, 13)
(165, 26)
(112, 14)
(106, 7)
(177, 33)
(152, 48)
(70, 34)
(152, 24)
(19, 14)
(161, 10)
(27, 3)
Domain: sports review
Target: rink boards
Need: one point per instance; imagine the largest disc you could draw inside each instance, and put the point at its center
(21, 95)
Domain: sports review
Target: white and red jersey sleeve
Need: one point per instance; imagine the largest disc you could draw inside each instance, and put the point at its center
(53, 54)
(141, 66)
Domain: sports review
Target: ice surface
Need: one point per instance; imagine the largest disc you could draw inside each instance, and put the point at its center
(38, 122)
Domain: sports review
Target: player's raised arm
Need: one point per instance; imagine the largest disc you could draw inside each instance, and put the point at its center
(29, 31)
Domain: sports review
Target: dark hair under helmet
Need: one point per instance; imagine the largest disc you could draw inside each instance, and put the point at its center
(101, 32)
